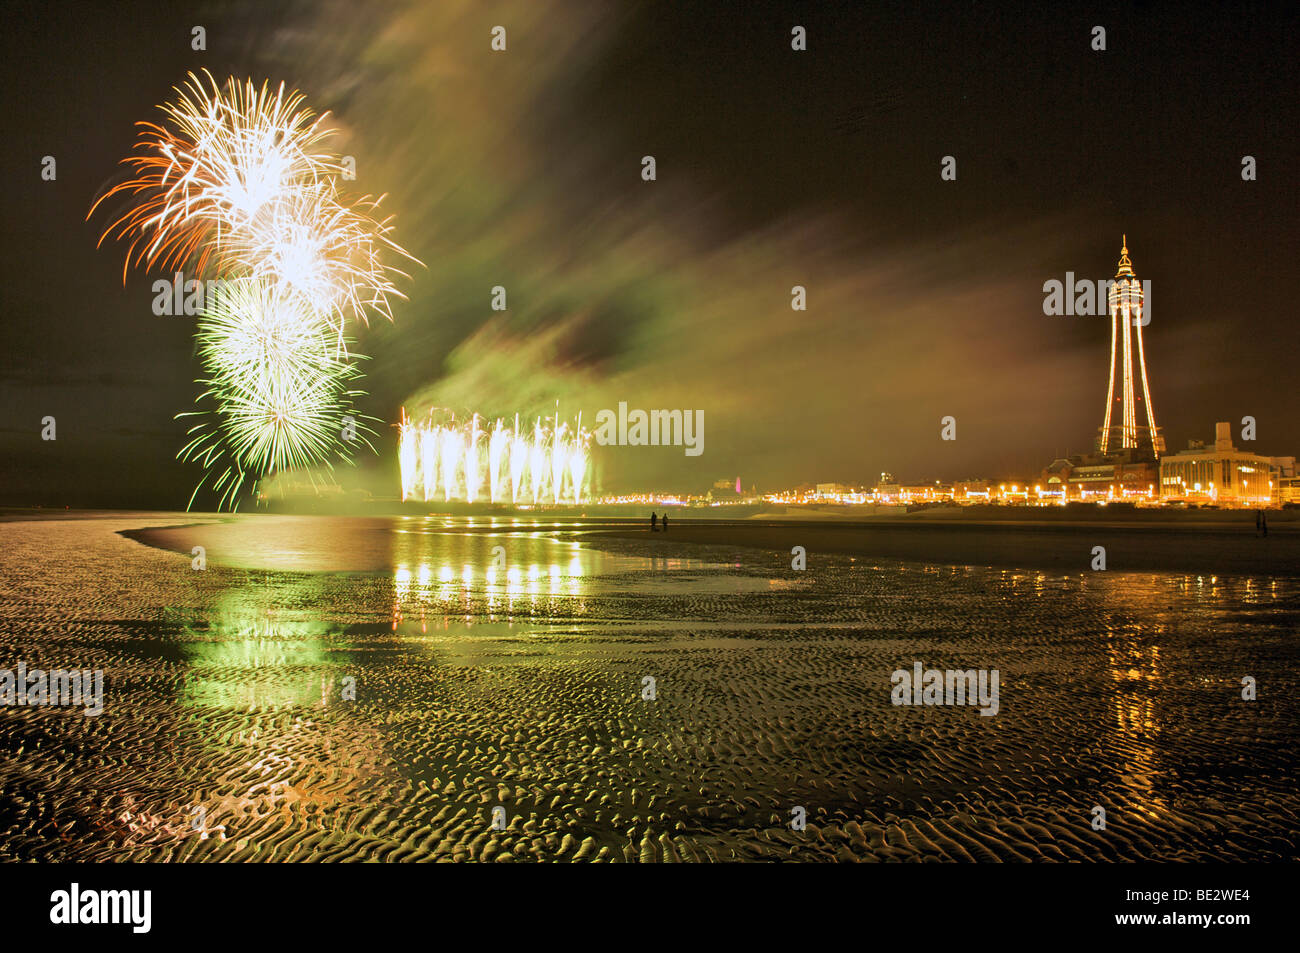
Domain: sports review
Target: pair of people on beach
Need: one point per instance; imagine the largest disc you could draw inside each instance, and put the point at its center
(1261, 523)
(654, 520)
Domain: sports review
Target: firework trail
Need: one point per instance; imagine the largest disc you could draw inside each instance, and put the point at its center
(236, 184)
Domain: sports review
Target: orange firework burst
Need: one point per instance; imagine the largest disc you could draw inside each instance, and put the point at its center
(230, 154)
(235, 178)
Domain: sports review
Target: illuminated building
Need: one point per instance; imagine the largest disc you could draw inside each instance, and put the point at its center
(1287, 490)
(1222, 474)
(833, 490)
(1286, 485)
(925, 493)
(1096, 478)
(974, 491)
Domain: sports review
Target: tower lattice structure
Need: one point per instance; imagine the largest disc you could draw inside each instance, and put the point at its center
(1123, 428)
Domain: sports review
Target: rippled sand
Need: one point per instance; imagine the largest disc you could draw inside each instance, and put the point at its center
(226, 735)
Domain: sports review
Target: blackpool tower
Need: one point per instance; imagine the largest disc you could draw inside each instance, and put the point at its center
(1127, 426)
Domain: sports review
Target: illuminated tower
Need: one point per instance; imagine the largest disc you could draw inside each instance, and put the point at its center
(1127, 432)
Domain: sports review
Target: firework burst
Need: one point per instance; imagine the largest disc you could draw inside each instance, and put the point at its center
(330, 254)
(219, 160)
(235, 183)
(277, 390)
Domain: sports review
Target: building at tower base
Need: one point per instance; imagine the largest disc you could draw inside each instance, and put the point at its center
(1125, 476)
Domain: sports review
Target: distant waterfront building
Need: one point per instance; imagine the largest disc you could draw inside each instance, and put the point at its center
(1220, 474)
(1122, 427)
(974, 491)
(725, 490)
(1286, 484)
(834, 489)
(929, 492)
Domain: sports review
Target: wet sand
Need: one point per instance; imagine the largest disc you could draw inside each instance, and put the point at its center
(1173, 546)
(227, 735)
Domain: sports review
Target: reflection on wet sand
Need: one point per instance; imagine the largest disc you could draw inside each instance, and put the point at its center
(500, 571)
(1134, 669)
(268, 714)
(442, 574)
(263, 671)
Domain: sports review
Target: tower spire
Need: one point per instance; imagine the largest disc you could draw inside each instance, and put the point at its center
(1125, 266)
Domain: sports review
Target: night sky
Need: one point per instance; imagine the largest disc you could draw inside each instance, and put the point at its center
(775, 168)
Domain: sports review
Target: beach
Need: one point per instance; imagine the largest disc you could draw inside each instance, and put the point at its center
(328, 689)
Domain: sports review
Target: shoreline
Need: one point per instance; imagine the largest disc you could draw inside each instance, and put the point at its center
(1084, 514)
(1213, 550)
(1172, 545)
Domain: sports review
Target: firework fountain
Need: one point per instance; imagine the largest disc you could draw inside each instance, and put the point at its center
(443, 458)
(235, 184)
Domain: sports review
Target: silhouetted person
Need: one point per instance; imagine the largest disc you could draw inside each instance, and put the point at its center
(665, 522)
(1259, 521)
(654, 522)
(1264, 522)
